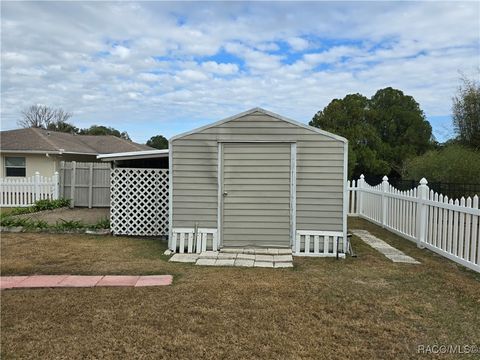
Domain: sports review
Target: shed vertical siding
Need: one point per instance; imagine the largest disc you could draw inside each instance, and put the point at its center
(320, 167)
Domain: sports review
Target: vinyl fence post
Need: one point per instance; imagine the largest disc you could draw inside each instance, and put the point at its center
(36, 184)
(361, 181)
(56, 188)
(90, 185)
(385, 186)
(73, 178)
(62, 180)
(422, 195)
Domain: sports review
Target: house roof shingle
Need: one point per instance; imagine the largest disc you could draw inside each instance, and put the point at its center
(33, 139)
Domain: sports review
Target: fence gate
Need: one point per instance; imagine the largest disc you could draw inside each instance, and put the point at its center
(139, 202)
(85, 183)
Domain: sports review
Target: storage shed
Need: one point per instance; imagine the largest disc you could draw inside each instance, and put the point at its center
(258, 179)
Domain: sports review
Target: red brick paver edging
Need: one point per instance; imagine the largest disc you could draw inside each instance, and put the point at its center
(54, 281)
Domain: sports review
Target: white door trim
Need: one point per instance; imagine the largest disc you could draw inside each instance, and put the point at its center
(293, 193)
(170, 196)
(220, 195)
(345, 195)
(293, 187)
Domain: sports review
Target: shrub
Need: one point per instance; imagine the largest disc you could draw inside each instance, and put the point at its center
(102, 224)
(40, 205)
(47, 204)
(451, 164)
(69, 225)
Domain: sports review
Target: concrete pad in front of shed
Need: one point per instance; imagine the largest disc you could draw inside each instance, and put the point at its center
(185, 258)
(283, 265)
(206, 262)
(282, 258)
(244, 262)
(232, 250)
(118, 280)
(284, 251)
(245, 257)
(80, 281)
(263, 264)
(208, 255)
(225, 256)
(264, 258)
(225, 262)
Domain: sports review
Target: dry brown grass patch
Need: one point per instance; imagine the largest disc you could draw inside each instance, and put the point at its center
(363, 308)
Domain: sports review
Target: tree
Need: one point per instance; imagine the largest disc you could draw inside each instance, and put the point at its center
(63, 126)
(382, 131)
(348, 117)
(158, 142)
(401, 125)
(452, 163)
(41, 116)
(104, 130)
(466, 113)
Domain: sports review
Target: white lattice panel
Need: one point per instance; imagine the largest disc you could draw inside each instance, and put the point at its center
(139, 202)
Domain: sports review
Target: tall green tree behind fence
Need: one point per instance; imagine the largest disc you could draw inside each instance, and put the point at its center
(466, 113)
(383, 131)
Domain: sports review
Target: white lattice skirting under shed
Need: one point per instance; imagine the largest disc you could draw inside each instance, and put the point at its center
(190, 240)
(319, 243)
(139, 202)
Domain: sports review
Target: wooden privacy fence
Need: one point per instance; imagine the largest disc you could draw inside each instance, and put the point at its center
(25, 191)
(85, 183)
(139, 202)
(446, 226)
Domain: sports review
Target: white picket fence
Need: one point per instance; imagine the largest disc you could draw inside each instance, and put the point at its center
(446, 226)
(19, 192)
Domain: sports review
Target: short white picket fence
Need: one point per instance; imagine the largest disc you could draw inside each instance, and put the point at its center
(446, 226)
(21, 192)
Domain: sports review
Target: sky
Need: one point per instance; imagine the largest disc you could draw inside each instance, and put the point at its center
(152, 68)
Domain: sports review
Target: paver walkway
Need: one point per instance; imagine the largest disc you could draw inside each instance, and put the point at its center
(389, 251)
(50, 281)
(242, 257)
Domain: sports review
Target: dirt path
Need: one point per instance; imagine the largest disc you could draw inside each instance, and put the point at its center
(87, 216)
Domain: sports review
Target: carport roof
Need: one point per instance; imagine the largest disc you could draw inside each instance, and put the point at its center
(133, 155)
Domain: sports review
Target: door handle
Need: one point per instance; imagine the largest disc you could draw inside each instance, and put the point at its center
(225, 193)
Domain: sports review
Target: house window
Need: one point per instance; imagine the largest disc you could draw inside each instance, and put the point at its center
(15, 166)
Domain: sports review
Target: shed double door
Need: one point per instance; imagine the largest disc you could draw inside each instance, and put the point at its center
(256, 194)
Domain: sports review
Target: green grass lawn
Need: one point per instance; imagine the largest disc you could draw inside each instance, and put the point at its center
(358, 308)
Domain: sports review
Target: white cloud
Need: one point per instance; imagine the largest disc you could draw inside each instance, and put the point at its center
(222, 69)
(333, 55)
(132, 65)
(298, 44)
(191, 75)
(121, 51)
